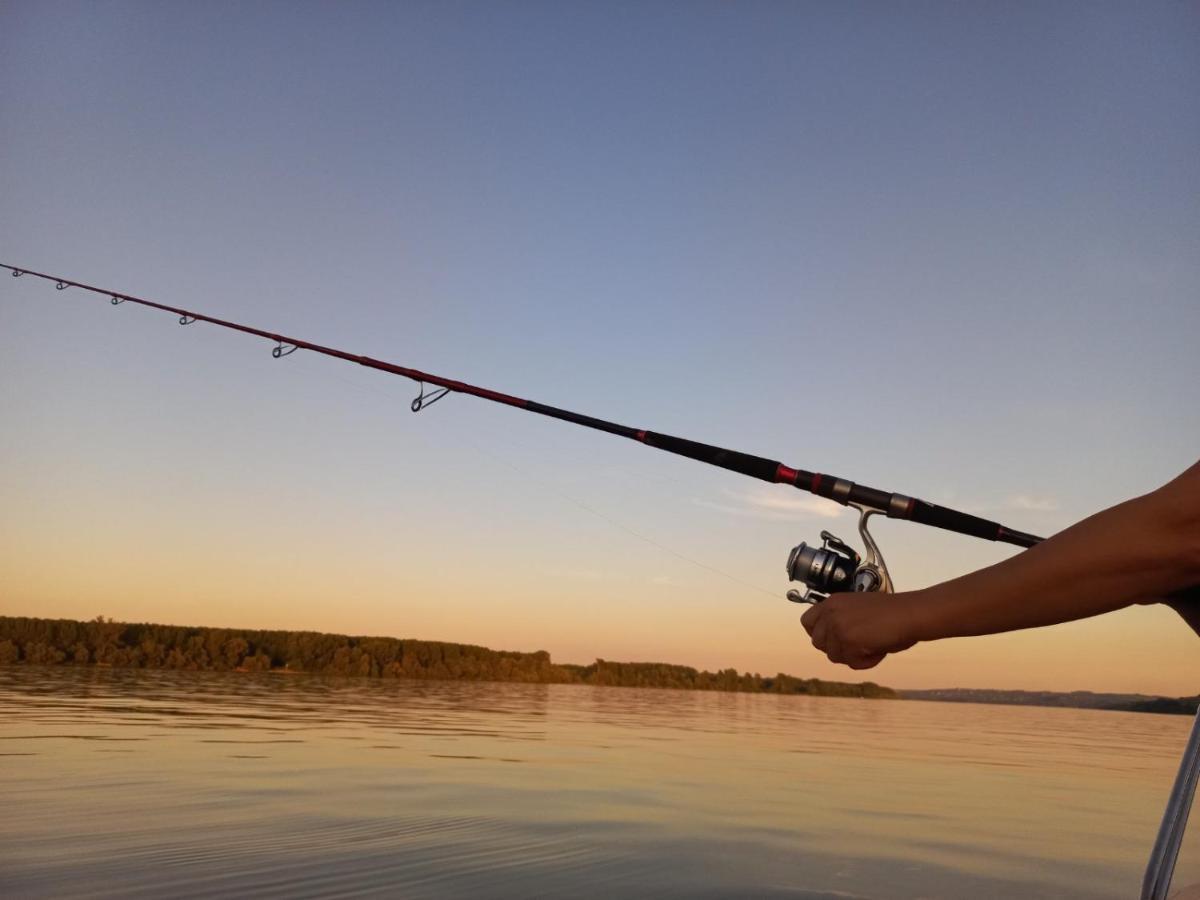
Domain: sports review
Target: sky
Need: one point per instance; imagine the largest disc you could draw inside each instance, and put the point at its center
(943, 249)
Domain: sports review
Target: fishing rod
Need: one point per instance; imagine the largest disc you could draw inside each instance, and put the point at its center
(833, 566)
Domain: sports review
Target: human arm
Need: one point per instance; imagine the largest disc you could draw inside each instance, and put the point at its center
(1187, 604)
(1144, 550)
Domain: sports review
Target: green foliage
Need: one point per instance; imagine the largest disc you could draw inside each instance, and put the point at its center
(664, 675)
(1185, 706)
(104, 642)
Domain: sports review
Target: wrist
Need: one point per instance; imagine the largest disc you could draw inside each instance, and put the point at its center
(923, 615)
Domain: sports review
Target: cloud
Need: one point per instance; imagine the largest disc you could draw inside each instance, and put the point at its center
(575, 574)
(774, 505)
(665, 580)
(1027, 503)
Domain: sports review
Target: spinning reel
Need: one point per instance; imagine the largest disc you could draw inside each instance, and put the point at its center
(835, 566)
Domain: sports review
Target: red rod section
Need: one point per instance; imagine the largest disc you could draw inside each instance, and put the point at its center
(897, 506)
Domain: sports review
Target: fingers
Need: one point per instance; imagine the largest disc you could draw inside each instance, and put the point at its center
(820, 635)
(816, 623)
(811, 616)
(821, 629)
(826, 623)
(833, 647)
(867, 661)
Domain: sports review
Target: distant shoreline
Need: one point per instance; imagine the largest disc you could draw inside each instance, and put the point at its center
(1061, 699)
(105, 643)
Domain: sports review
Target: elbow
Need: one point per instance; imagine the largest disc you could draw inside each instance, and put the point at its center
(1189, 548)
(1179, 520)
(1192, 560)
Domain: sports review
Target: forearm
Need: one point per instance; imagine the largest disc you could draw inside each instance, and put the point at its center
(1139, 551)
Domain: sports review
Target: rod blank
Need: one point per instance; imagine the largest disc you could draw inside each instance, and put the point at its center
(894, 505)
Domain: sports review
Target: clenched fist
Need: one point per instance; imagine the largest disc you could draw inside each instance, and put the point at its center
(859, 630)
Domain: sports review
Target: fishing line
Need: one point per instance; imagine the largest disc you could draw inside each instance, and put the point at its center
(622, 526)
(834, 566)
(551, 487)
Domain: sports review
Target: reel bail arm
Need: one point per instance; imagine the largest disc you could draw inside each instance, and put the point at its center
(836, 566)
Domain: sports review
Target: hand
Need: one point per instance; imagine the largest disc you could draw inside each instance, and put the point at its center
(859, 630)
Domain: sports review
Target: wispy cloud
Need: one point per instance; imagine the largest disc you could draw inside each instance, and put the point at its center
(776, 505)
(574, 574)
(665, 580)
(781, 505)
(1031, 504)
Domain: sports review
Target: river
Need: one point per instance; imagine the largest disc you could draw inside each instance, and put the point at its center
(145, 783)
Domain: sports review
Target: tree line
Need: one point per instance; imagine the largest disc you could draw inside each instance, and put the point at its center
(103, 642)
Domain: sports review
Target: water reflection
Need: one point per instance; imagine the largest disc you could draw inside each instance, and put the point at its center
(192, 784)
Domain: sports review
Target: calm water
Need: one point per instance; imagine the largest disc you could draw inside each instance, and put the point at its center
(127, 783)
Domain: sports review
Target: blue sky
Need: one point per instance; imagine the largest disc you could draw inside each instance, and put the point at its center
(946, 249)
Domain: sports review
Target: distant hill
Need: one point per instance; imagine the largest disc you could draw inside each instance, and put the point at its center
(1076, 699)
(103, 642)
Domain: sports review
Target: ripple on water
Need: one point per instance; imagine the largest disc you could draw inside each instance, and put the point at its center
(616, 792)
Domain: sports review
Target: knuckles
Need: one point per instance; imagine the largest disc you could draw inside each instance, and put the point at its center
(839, 638)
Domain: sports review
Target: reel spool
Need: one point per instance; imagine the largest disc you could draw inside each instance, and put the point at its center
(836, 567)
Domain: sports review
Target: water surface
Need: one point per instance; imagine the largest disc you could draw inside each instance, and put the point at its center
(139, 783)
